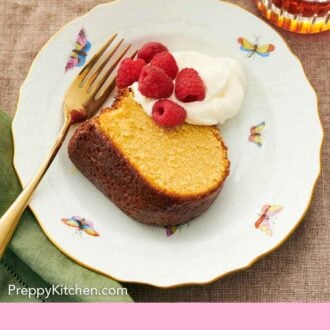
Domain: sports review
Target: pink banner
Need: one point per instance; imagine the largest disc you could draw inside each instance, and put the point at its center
(165, 316)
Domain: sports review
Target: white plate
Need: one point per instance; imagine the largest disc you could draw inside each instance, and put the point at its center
(282, 172)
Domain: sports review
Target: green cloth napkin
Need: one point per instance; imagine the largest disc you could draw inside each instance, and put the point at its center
(32, 261)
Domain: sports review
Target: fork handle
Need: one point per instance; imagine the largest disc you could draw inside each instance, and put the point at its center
(9, 220)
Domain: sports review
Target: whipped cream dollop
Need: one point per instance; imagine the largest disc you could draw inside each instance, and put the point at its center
(224, 80)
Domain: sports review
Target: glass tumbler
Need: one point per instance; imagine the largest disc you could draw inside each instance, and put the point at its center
(301, 16)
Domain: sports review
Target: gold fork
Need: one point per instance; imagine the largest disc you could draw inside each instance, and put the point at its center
(85, 95)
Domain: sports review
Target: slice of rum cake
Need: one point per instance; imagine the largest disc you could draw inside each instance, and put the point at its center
(155, 175)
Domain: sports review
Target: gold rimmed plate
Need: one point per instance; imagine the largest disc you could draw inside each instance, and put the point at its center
(274, 163)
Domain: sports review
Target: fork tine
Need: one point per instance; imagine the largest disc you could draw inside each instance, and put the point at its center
(86, 69)
(134, 54)
(100, 68)
(108, 73)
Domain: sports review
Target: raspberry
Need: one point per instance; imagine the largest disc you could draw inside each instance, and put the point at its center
(155, 83)
(189, 86)
(167, 63)
(168, 114)
(129, 71)
(149, 50)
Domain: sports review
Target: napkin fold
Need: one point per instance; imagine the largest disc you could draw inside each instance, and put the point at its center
(32, 262)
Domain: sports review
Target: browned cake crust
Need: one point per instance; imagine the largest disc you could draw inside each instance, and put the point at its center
(104, 165)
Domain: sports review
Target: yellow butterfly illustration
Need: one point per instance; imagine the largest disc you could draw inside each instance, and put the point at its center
(256, 133)
(261, 50)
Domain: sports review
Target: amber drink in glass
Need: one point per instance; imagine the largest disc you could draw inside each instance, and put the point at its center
(301, 16)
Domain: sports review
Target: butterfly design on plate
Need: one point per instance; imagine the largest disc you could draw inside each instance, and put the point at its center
(170, 230)
(256, 133)
(79, 53)
(264, 223)
(81, 224)
(252, 49)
